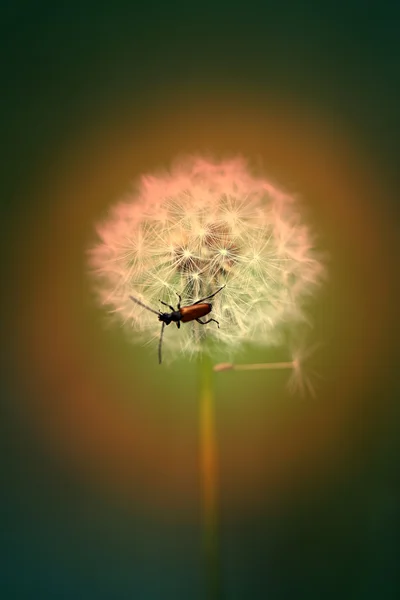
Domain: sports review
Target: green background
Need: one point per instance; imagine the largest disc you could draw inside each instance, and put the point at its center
(309, 489)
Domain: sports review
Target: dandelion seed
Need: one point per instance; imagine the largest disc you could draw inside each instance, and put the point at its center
(255, 366)
(301, 379)
(201, 225)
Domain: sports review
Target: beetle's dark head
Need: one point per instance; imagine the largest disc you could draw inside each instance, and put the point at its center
(165, 318)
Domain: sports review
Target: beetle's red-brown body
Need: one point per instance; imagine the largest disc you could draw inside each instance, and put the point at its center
(194, 311)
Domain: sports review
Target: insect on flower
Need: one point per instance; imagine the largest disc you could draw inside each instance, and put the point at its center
(183, 314)
(196, 226)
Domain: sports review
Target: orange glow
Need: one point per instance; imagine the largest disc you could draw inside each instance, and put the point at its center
(91, 412)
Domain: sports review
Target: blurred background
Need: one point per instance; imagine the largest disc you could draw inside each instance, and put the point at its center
(100, 494)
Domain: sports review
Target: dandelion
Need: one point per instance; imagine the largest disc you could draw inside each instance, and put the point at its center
(200, 227)
(191, 230)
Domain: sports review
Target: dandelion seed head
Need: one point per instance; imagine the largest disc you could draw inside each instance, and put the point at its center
(190, 230)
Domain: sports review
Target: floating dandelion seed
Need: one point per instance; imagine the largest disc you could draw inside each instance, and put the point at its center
(301, 380)
(192, 230)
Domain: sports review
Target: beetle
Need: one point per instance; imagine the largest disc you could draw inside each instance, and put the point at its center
(181, 314)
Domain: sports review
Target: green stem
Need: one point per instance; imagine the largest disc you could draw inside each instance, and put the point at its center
(209, 477)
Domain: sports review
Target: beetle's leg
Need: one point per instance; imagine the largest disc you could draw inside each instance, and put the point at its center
(207, 297)
(180, 300)
(209, 321)
(178, 324)
(169, 306)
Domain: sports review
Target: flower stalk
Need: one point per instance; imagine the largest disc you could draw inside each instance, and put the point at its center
(209, 480)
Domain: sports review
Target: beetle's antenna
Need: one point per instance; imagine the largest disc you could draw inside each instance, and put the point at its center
(160, 342)
(208, 297)
(144, 305)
